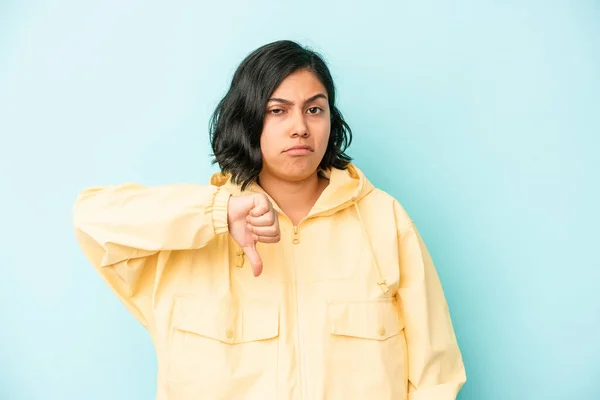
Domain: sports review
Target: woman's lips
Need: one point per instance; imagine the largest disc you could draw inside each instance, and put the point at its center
(299, 150)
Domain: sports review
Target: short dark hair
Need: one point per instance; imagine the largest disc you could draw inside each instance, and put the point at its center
(237, 122)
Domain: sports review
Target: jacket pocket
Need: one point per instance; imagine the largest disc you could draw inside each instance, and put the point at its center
(366, 352)
(223, 351)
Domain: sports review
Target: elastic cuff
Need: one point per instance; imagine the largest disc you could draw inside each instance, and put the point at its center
(219, 211)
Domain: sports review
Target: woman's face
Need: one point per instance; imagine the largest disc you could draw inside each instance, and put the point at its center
(296, 128)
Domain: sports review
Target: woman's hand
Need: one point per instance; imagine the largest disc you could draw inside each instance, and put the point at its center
(251, 219)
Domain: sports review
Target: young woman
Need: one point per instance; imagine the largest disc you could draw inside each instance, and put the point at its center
(289, 276)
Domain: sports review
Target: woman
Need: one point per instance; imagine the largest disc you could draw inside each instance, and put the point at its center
(289, 276)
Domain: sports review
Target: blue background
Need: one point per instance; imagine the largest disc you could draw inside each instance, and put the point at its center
(482, 118)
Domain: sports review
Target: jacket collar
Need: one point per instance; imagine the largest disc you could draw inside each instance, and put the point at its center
(346, 187)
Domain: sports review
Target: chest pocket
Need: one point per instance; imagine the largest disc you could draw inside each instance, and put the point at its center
(221, 351)
(366, 351)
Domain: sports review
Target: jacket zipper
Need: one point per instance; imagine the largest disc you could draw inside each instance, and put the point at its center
(299, 339)
(301, 372)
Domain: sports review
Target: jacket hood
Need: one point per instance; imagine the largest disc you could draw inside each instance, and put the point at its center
(346, 187)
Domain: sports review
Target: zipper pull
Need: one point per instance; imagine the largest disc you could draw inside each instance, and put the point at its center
(240, 258)
(296, 237)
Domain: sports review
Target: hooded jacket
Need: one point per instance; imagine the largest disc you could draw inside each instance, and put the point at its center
(349, 304)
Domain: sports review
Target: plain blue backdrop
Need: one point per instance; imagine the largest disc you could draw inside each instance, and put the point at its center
(482, 118)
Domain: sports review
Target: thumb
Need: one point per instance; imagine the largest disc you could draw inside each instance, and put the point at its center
(254, 258)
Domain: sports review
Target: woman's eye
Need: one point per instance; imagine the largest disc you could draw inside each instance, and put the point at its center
(314, 110)
(276, 111)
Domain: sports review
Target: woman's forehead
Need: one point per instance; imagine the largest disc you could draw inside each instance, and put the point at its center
(301, 84)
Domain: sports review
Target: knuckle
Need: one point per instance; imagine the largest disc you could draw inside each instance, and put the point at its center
(262, 198)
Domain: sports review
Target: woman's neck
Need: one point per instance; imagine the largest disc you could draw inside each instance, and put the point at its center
(295, 198)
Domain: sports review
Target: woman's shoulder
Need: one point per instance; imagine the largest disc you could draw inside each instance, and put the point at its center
(381, 205)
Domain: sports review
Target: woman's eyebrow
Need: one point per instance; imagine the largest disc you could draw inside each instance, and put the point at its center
(291, 103)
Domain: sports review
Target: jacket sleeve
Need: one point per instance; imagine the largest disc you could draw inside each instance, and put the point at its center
(124, 231)
(435, 366)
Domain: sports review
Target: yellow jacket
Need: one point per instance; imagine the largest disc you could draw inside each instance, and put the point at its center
(349, 305)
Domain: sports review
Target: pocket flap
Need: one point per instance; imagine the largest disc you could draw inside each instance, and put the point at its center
(372, 319)
(229, 323)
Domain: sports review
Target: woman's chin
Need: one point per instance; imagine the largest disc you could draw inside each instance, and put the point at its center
(294, 174)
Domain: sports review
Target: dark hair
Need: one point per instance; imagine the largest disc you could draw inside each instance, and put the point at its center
(237, 122)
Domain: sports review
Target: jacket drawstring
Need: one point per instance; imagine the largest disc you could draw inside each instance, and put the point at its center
(381, 280)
